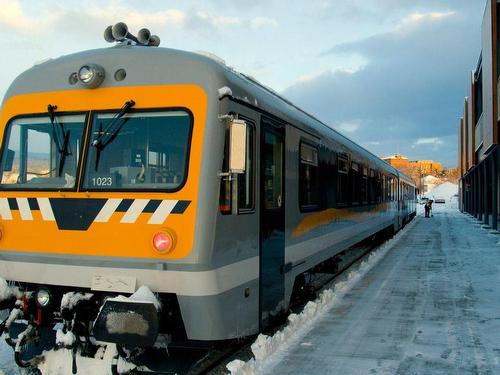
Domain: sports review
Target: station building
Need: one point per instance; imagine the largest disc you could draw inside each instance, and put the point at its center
(478, 148)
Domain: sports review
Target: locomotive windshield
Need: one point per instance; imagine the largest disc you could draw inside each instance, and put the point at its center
(143, 151)
(39, 154)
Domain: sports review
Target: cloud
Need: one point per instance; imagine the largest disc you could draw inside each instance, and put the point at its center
(218, 21)
(11, 15)
(348, 127)
(433, 143)
(14, 15)
(259, 22)
(421, 17)
(326, 73)
(411, 87)
(428, 141)
(137, 19)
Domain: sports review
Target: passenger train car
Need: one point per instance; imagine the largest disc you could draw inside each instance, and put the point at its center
(132, 169)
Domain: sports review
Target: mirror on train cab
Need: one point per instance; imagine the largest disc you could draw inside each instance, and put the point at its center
(237, 146)
(9, 160)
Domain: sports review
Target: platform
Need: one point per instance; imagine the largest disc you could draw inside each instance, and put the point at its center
(430, 306)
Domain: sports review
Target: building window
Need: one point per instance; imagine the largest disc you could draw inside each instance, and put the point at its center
(308, 177)
(478, 94)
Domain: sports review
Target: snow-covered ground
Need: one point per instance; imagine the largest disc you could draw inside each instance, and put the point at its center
(431, 305)
(7, 365)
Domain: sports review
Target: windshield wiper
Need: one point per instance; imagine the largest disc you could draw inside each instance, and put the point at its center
(61, 144)
(109, 134)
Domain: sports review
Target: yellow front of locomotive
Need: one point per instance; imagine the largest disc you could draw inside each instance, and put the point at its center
(100, 173)
(100, 166)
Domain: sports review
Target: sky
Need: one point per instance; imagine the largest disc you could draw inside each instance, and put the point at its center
(389, 74)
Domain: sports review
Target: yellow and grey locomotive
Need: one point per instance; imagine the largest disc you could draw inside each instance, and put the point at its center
(195, 193)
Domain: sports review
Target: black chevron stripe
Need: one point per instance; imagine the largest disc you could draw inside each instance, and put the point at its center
(79, 214)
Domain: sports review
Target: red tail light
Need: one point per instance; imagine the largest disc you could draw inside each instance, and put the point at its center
(163, 242)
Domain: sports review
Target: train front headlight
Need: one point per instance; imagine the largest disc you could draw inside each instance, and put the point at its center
(91, 75)
(43, 297)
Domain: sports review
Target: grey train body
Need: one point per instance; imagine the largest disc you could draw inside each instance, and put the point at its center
(226, 247)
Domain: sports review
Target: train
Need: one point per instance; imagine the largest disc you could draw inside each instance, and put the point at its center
(150, 194)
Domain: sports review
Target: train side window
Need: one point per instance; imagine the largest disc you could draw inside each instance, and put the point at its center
(388, 190)
(355, 184)
(389, 182)
(246, 180)
(225, 183)
(379, 187)
(372, 187)
(383, 188)
(342, 180)
(327, 177)
(364, 186)
(309, 177)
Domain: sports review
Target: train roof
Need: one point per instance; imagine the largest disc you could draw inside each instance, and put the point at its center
(157, 66)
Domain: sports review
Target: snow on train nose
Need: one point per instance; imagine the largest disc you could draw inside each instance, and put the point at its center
(131, 321)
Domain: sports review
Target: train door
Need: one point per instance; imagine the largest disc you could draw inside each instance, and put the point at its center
(272, 220)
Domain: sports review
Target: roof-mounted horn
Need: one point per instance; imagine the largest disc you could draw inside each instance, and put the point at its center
(119, 33)
(108, 34)
(143, 36)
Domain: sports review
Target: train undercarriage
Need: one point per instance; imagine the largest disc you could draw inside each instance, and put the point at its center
(142, 326)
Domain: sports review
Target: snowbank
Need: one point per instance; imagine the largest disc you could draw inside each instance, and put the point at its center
(446, 191)
(58, 362)
(65, 339)
(223, 91)
(142, 295)
(71, 299)
(6, 291)
(267, 350)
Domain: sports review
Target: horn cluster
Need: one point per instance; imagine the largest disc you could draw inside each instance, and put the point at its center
(119, 33)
